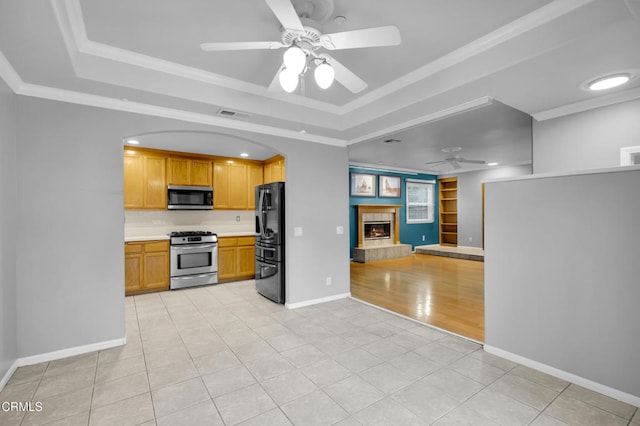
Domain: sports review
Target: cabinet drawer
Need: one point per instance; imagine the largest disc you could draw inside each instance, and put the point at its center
(156, 246)
(132, 248)
(246, 241)
(227, 242)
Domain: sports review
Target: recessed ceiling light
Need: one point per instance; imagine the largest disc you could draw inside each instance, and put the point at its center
(609, 81)
(133, 142)
(244, 154)
(492, 164)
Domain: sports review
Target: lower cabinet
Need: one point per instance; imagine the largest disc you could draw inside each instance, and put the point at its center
(236, 258)
(146, 266)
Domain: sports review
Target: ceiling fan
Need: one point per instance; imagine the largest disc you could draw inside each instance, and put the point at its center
(302, 39)
(454, 160)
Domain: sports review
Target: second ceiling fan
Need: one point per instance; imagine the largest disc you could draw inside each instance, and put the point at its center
(302, 39)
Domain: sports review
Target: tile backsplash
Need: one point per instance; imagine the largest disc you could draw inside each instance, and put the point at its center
(159, 222)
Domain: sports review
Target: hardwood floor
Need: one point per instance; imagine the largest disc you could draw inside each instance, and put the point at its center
(441, 291)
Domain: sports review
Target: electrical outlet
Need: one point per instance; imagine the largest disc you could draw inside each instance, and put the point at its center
(237, 218)
(328, 281)
(470, 239)
(423, 238)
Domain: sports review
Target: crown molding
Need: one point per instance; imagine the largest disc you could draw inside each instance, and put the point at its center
(19, 87)
(72, 26)
(9, 74)
(71, 23)
(599, 102)
(531, 21)
(429, 118)
(79, 98)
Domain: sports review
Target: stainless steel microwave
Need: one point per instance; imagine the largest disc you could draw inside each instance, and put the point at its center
(189, 197)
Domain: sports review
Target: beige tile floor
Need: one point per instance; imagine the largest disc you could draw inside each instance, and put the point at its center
(225, 355)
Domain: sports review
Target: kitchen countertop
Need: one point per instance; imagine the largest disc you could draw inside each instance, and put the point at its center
(152, 237)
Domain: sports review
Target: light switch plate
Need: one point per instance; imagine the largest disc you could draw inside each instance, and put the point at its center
(297, 231)
(339, 230)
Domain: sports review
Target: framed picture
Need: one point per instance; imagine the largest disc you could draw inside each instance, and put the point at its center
(389, 186)
(363, 185)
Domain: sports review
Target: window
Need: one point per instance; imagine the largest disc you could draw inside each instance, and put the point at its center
(419, 195)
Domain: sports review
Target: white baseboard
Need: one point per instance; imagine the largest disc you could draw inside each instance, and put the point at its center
(564, 375)
(8, 374)
(65, 353)
(316, 301)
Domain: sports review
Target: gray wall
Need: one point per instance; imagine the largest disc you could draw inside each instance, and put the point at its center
(586, 140)
(71, 156)
(561, 280)
(470, 200)
(8, 181)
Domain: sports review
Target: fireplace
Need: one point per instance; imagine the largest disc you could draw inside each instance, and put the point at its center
(377, 230)
(379, 233)
(378, 225)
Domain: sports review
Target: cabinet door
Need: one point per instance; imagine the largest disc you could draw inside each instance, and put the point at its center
(254, 177)
(246, 261)
(221, 186)
(133, 272)
(177, 171)
(230, 186)
(278, 170)
(156, 270)
(227, 263)
(238, 188)
(200, 173)
(155, 196)
(133, 182)
(267, 173)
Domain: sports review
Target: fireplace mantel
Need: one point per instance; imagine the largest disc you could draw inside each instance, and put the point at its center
(378, 208)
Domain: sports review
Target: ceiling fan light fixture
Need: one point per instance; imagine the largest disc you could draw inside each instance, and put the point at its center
(493, 163)
(288, 80)
(295, 59)
(324, 75)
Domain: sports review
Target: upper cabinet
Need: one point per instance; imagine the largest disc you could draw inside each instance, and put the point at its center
(145, 183)
(234, 182)
(274, 169)
(147, 172)
(189, 171)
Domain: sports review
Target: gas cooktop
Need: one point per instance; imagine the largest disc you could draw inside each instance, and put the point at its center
(191, 233)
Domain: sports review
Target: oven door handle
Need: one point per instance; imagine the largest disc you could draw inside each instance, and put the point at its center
(193, 247)
(192, 277)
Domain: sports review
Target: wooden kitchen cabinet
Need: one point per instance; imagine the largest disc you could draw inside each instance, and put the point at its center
(189, 171)
(274, 169)
(255, 178)
(236, 258)
(145, 183)
(234, 184)
(146, 266)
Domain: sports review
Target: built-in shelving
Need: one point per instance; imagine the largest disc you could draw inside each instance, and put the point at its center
(448, 211)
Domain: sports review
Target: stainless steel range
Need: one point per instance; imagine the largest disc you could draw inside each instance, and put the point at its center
(194, 259)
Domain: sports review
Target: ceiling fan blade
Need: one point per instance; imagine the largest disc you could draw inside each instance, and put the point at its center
(240, 45)
(462, 160)
(286, 14)
(368, 37)
(436, 162)
(344, 76)
(455, 164)
(275, 83)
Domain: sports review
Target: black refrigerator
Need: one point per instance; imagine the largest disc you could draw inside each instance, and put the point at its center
(270, 240)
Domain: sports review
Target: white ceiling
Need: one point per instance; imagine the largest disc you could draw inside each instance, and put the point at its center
(456, 55)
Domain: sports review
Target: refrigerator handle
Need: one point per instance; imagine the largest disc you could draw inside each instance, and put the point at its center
(260, 212)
